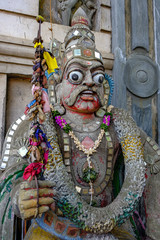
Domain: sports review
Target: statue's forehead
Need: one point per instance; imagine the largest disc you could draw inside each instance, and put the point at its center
(84, 63)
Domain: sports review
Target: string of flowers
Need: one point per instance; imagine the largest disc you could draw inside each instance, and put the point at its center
(67, 128)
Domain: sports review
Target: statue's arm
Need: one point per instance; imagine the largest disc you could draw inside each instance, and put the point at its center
(151, 153)
(151, 191)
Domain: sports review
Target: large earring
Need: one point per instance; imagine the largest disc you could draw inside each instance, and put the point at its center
(54, 92)
(108, 85)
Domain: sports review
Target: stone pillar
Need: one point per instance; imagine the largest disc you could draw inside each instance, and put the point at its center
(135, 71)
(156, 8)
(3, 88)
(119, 50)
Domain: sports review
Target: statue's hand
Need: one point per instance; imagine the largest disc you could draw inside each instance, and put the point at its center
(29, 205)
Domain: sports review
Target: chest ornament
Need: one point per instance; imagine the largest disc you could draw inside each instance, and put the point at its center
(102, 220)
(89, 173)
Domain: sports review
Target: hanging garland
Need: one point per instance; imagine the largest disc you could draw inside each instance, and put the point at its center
(102, 220)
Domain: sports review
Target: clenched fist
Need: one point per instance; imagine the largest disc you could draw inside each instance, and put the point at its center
(30, 205)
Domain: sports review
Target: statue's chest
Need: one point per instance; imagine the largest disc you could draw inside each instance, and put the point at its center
(76, 163)
(98, 159)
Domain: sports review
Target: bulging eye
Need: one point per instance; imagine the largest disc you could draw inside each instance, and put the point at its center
(75, 77)
(98, 78)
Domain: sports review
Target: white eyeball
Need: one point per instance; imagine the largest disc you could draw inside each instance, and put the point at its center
(98, 78)
(75, 77)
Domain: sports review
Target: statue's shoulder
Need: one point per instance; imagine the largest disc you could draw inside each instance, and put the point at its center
(124, 123)
(120, 113)
(16, 143)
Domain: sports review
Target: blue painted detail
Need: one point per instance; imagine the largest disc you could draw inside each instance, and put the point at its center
(49, 75)
(45, 89)
(31, 103)
(111, 85)
(51, 229)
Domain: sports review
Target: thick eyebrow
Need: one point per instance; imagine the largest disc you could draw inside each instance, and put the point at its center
(98, 66)
(92, 68)
(77, 64)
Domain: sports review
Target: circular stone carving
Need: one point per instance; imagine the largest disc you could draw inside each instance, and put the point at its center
(141, 76)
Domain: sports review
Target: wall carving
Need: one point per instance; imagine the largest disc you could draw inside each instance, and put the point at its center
(63, 10)
(141, 75)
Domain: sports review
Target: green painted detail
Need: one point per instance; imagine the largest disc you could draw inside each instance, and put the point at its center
(6, 183)
(128, 210)
(71, 212)
(20, 174)
(67, 128)
(10, 213)
(89, 175)
(134, 227)
(3, 218)
(104, 126)
(55, 113)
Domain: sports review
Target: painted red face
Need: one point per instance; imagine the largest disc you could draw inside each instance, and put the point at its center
(82, 86)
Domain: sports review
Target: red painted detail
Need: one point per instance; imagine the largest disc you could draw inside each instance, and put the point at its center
(75, 156)
(88, 142)
(101, 160)
(104, 200)
(146, 176)
(87, 52)
(146, 214)
(83, 233)
(53, 206)
(60, 227)
(72, 231)
(48, 219)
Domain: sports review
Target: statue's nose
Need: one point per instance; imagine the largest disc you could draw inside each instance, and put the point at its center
(88, 79)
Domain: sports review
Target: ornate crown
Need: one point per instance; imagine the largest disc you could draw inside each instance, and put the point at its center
(78, 43)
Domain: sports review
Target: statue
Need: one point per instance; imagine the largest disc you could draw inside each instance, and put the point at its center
(68, 153)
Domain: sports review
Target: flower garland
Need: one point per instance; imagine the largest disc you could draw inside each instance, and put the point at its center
(37, 153)
(89, 174)
(67, 128)
(102, 220)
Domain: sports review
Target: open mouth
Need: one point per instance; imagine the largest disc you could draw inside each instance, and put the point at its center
(88, 95)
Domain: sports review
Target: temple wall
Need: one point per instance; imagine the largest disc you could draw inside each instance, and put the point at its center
(18, 28)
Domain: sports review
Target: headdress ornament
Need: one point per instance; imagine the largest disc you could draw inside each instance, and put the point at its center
(79, 41)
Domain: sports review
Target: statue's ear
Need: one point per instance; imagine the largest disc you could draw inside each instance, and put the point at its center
(58, 104)
(58, 91)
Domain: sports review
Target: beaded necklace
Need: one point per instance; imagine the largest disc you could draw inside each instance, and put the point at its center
(89, 174)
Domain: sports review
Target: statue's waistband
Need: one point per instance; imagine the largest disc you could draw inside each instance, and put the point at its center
(59, 226)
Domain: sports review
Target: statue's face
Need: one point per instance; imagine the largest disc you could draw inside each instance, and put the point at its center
(82, 86)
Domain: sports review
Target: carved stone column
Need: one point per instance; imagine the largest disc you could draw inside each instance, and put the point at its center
(136, 72)
(119, 50)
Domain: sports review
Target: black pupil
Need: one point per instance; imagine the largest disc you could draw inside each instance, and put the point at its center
(101, 79)
(75, 76)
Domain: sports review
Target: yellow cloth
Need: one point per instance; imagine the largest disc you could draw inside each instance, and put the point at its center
(51, 62)
(38, 44)
(37, 233)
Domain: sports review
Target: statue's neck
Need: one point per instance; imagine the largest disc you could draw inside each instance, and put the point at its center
(82, 120)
